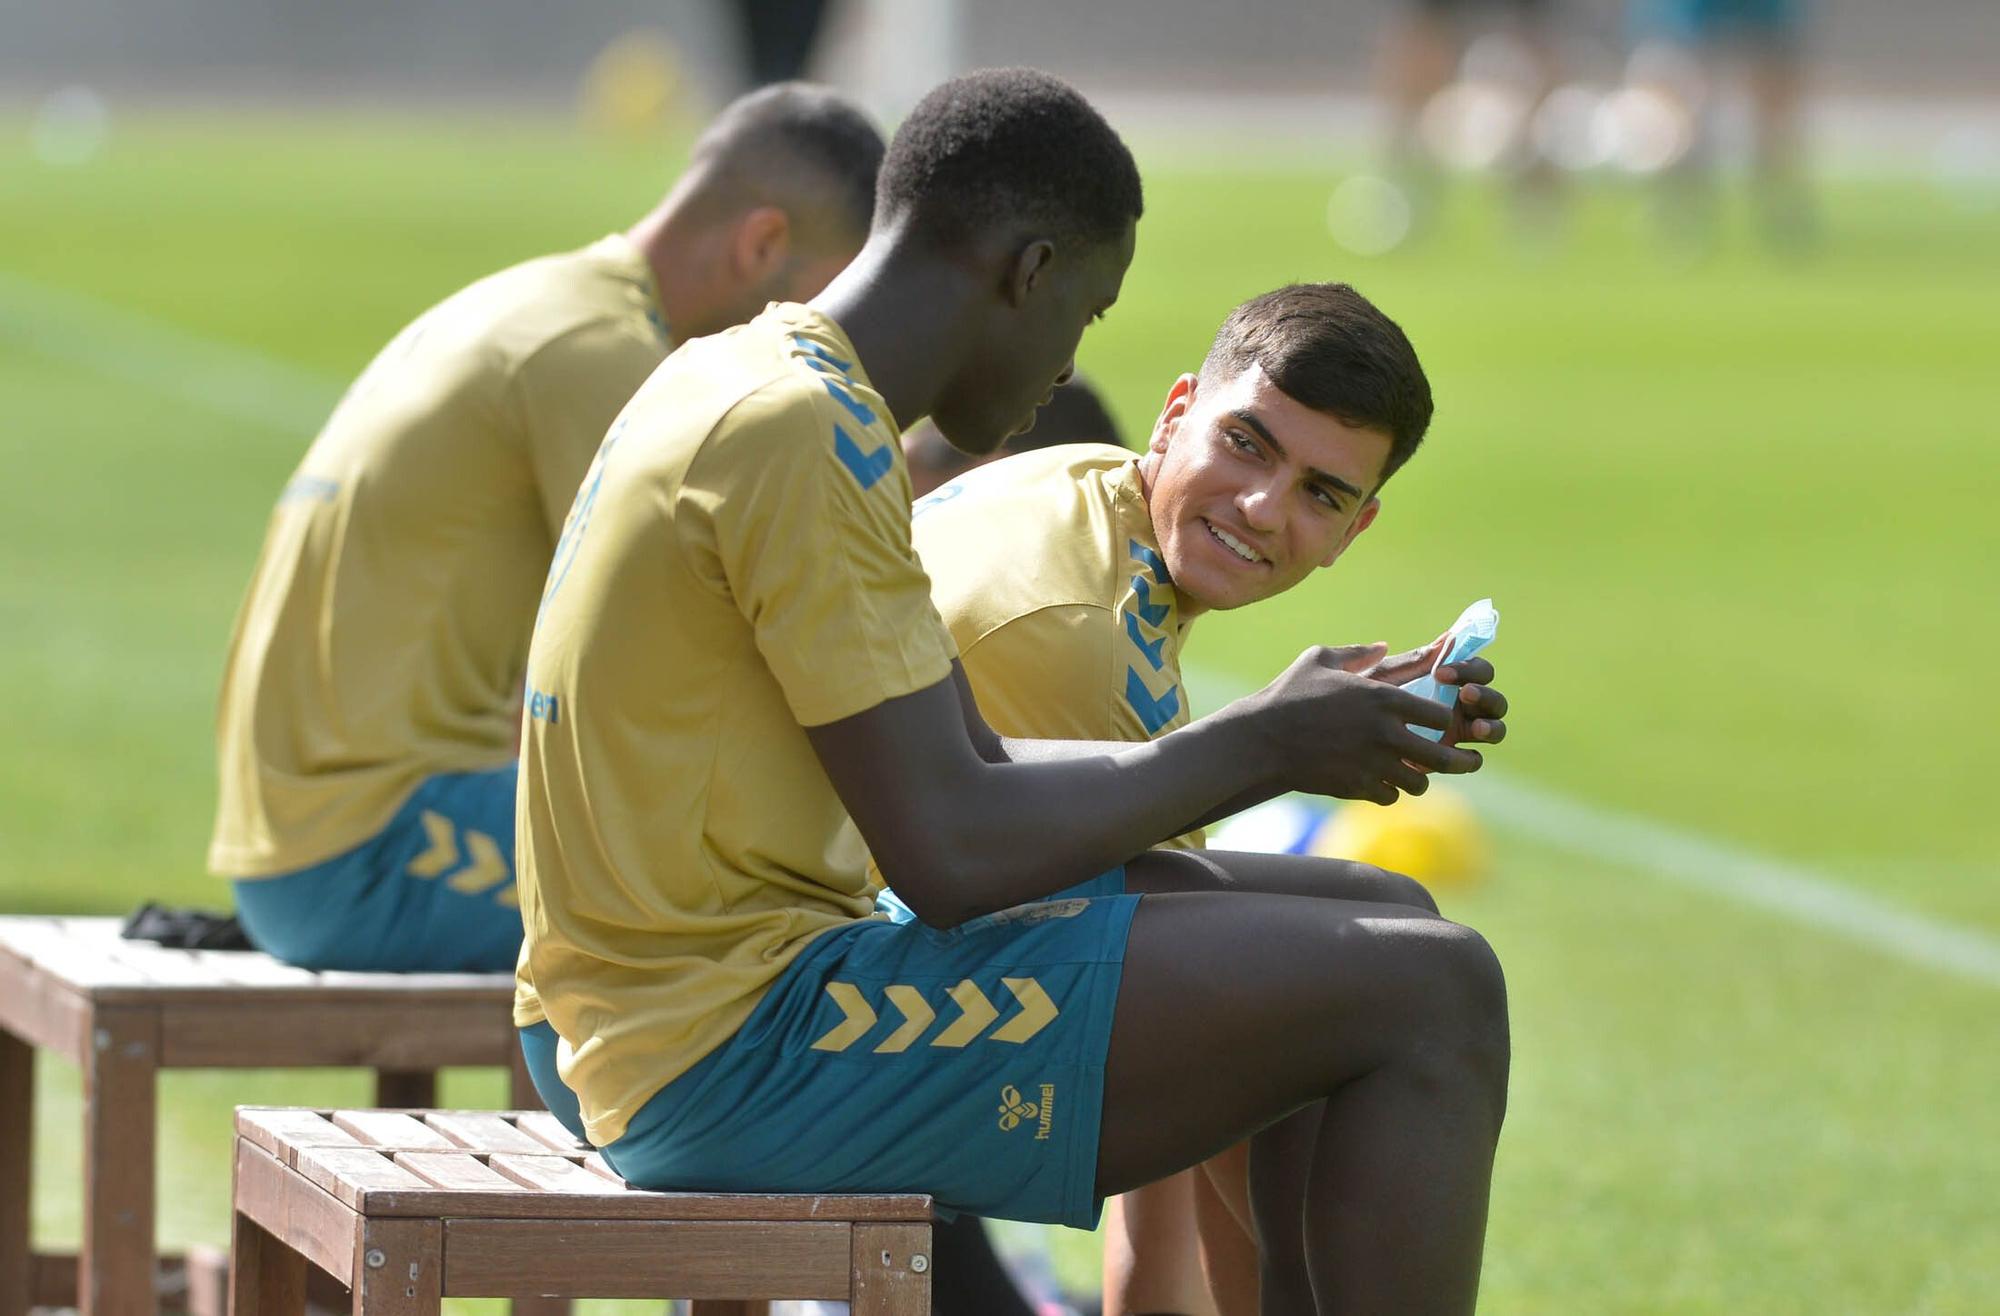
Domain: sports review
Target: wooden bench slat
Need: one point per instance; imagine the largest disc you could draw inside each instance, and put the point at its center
(456, 1170)
(419, 982)
(615, 1203)
(154, 962)
(23, 933)
(548, 1130)
(351, 1173)
(277, 1130)
(555, 1174)
(391, 1130)
(483, 1131)
(52, 947)
(625, 1259)
(253, 968)
(87, 955)
(163, 965)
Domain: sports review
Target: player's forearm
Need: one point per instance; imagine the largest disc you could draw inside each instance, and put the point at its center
(1052, 813)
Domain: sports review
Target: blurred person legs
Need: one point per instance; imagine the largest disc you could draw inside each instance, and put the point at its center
(970, 1277)
(1763, 39)
(778, 37)
(1177, 1246)
(1462, 79)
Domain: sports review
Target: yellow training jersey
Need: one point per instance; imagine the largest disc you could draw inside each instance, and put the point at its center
(384, 634)
(737, 567)
(1046, 569)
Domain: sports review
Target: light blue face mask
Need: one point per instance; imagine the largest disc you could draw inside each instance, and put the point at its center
(1473, 631)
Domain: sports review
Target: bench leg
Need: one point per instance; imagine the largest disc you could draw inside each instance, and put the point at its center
(521, 1094)
(120, 1096)
(405, 1089)
(206, 1276)
(17, 1141)
(892, 1271)
(399, 1268)
(266, 1278)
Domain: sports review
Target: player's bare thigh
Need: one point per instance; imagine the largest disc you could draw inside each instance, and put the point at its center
(1160, 872)
(1237, 1007)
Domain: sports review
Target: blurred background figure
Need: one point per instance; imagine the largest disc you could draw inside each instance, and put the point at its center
(1076, 414)
(1684, 52)
(778, 37)
(1462, 80)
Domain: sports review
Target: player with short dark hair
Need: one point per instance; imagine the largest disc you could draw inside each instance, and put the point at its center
(1071, 603)
(1326, 346)
(740, 690)
(1006, 143)
(371, 703)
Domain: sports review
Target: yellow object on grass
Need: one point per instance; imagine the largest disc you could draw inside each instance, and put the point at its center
(1435, 837)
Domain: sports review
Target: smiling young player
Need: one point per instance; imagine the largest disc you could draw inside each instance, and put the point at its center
(1070, 579)
(741, 689)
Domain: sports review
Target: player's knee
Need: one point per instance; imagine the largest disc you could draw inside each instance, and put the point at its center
(1400, 890)
(1482, 986)
(1467, 1036)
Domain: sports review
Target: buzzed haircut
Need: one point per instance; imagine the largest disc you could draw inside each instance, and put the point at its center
(802, 147)
(1008, 146)
(1328, 347)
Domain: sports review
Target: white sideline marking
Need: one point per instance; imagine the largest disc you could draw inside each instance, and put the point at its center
(240, 382)
(254, 386)
(1792, 891)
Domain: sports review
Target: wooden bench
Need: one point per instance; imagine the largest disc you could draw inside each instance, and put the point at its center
(409, 1208)
(123, 1010)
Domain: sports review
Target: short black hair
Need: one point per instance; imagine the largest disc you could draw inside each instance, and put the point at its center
(799, 143)
(1009, 145)
(1329, 348)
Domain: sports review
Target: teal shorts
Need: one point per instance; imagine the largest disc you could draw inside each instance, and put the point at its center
(966, 1063)
(432, 891)
(538, 1049)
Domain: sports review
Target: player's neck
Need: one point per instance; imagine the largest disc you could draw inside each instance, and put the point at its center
(904, 311)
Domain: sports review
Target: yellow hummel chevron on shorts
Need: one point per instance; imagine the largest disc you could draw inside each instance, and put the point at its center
(382, 640)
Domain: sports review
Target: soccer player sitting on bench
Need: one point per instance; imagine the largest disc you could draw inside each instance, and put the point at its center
(1070, 603)
(372, 701)
(741, 689)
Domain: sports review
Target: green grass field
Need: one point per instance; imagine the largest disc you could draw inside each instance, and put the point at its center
(1736, 515)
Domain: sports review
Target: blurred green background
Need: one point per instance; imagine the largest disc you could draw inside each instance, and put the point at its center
(1737, 515)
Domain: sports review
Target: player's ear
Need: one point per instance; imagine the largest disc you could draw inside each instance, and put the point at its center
(1027, 271)
(1362, 520)
(1179, 398)
(762, 244)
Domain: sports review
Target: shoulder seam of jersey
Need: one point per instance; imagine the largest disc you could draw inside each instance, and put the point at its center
(1046, 605)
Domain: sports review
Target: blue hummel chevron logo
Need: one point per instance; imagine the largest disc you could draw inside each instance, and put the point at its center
(1152, 651)
(861, 413)
(1149, 612)
(866, 467)
(1153, 560)
(819, 354)
(1153, 713)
